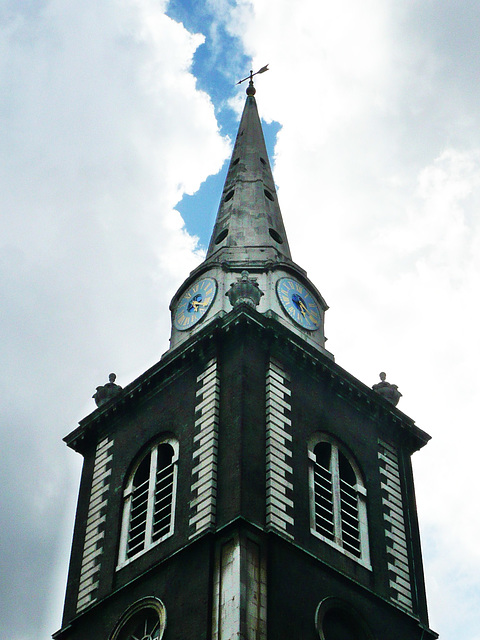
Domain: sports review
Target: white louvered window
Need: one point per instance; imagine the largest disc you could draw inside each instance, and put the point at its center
(149, 501)
(338, 499)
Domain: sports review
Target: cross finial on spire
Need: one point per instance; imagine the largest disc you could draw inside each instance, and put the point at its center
(251, 88)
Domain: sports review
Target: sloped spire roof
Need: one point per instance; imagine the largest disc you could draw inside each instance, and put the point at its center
(249, 226)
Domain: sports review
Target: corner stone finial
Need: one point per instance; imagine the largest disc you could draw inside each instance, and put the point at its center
(106, 392)
(244, 291)
(388, 391)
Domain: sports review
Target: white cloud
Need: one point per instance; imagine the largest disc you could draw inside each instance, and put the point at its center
(378, 159)
(102, 132)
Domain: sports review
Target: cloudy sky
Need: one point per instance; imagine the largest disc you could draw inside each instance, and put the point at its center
(116, 119)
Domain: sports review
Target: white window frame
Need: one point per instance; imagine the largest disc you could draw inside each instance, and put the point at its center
(361, 494)
(127, 503)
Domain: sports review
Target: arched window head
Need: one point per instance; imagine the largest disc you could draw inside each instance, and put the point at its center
(149, 501)
(145, 620)
(337, 620)
(338, 513)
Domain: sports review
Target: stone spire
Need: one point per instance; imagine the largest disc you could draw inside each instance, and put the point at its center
(248, 262)
(249, 226)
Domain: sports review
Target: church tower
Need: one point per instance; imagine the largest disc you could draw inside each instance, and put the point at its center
(246, 487)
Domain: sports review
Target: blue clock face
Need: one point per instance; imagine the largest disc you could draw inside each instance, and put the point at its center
(298, 303)
(195, 303)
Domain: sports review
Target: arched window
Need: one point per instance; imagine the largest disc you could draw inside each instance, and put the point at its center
(149, 501)
(337, 499)
(337, 620)
(145, 620)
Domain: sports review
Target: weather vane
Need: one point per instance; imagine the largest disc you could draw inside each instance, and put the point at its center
(250, 77)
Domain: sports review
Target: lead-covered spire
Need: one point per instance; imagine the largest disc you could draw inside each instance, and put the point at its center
(248, 264)
(249, 226)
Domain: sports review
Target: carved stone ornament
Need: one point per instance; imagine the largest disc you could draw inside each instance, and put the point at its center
(104, 394)
(388, 391)
(244, 291)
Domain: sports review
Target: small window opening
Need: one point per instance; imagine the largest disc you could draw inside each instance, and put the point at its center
(262, 161)
(340, 625)
(229, 195)
(347, 474)
(324, 508)
(268, 195)
(235, 162)
(322, 452)
(275, 235)
(221, 236)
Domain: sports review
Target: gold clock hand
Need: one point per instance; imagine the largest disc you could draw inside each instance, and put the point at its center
(197, 303)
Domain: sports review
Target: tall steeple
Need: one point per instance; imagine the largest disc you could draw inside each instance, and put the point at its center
(246, 486)
(249, 226)
(249, 245)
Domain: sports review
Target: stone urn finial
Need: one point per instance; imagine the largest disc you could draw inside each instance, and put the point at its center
(244, 291)
(106, 392)
(388, 391)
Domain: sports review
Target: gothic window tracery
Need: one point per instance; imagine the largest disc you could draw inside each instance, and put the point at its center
(337, 499)
(144, 620)
(149, 501)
